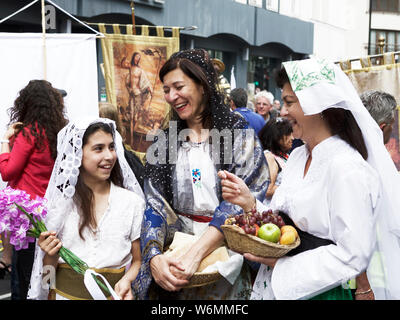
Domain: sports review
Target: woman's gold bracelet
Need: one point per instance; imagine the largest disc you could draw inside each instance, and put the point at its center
(364, 292)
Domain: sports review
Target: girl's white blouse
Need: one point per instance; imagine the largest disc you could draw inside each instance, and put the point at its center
(109, 246)
(335, 200)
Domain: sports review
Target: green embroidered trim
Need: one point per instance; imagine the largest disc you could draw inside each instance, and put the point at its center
(306, 73)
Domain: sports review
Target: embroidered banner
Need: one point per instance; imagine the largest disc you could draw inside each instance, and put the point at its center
(384, 77)
(131, 67)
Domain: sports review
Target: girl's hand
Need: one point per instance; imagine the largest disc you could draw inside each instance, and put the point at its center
(235, 191)
(12, 130)
(123, 289)
(267, 261)
(49, 243)
(160, 269)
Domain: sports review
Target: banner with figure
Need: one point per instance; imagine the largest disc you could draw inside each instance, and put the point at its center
(384, 77)
(131, 67)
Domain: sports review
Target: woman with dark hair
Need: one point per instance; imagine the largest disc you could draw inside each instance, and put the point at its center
(339, 186)
(276, 138)
(95, 210)
(182, 190)
(28, 151)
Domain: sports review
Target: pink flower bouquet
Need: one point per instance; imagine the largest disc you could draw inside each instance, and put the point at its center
(22, 218)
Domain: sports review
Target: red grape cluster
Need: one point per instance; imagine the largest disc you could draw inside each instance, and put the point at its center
(250, 221)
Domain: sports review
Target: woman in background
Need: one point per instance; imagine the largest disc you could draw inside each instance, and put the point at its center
(276, 138)
(28, 151)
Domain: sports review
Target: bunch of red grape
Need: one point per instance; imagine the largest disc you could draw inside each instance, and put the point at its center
(250, 222)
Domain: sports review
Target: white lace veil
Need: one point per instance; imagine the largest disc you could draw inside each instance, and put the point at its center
(320, 85)
(61, 187)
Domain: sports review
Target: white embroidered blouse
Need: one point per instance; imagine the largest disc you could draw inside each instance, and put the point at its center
(109, 246)
(335, 200)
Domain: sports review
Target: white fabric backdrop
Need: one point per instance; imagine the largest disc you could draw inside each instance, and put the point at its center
(71, 66)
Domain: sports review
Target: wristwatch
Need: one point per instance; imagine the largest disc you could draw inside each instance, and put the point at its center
(4, 141)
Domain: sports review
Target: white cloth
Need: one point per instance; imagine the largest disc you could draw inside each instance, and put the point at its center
(336, 200)
(202, 171)
(197, 166)
(71, 66)
(111, 243)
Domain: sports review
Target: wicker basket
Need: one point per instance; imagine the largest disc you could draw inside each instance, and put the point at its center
(242, 242)
(200, 279)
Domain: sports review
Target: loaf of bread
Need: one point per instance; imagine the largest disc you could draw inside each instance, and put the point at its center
(182, 242)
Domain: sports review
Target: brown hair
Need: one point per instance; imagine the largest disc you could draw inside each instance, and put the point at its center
(109, 111)
(41, 107)
(196, 73)
(83, 194)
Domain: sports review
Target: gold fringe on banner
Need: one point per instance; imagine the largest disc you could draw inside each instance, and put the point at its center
(160, 31)
(116, 29)
(365, 62)
(388, 58)
(102, 28)
(145, 30)
(129, 29)
(175, 32)
(345, 65)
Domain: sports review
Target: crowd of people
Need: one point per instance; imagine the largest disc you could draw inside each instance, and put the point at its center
(336, 184)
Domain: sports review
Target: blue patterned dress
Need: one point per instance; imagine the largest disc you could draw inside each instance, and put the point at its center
(164, 201)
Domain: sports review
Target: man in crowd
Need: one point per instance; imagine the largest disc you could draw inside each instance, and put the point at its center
(238, 103)
(264, 101)
(381, 106)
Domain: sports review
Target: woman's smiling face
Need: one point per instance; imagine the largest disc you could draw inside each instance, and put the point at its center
(184, 95)
(98, 157)
(294, 112)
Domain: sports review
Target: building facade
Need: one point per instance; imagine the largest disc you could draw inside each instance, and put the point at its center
(251, 36)
(385, 23)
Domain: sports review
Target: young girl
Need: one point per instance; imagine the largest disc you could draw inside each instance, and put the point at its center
(96, 218)
(276, 138)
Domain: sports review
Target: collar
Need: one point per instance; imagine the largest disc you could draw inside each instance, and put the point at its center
(325, 147)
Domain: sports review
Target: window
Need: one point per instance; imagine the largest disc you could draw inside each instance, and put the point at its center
(392, 41)
(386, 5)
(256, 3)
(272, 5)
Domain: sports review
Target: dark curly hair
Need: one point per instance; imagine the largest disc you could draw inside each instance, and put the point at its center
(272, 132)
(40, 107)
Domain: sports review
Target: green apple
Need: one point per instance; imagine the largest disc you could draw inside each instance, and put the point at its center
(269, 232)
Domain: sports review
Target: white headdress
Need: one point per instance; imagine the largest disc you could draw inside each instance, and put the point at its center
(61, 187)
(320, 85)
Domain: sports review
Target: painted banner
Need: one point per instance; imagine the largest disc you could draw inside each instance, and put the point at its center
(384, 77)
(131, 67)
